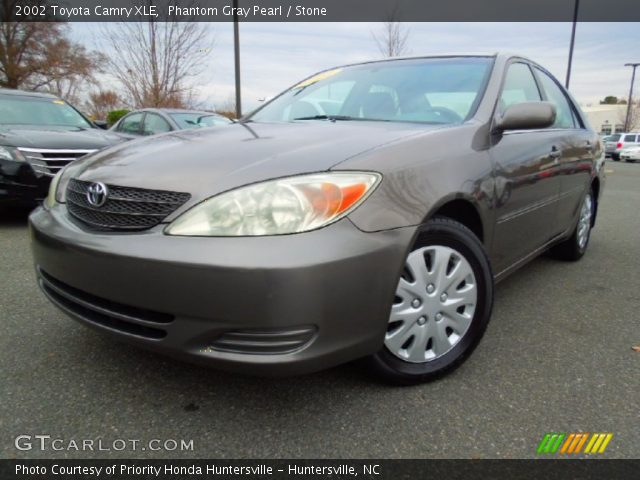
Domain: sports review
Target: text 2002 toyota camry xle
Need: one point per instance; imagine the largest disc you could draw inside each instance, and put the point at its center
(367, 211)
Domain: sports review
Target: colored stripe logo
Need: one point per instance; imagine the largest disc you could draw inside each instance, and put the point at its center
(574, 443)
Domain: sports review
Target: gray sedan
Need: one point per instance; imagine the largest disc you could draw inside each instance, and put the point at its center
(367, 211)
(153, 121)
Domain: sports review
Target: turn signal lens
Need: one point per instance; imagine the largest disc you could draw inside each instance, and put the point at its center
(277, 207)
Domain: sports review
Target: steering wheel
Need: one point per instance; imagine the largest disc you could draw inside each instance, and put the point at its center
(447, 114)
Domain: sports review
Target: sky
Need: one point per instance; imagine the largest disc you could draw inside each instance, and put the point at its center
(275, 56)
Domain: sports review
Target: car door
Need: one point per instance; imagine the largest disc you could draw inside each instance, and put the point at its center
(579, 146)
(154, 124)
(525, 175)
(131, 125)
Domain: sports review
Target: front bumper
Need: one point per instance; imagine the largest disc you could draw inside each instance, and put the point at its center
(19, 183)
(265, 305)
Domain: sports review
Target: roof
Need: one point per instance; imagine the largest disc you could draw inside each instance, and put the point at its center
(25, 93)
(174, 110)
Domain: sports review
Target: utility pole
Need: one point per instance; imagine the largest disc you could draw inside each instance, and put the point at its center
(630, 99)
(236, 56)
(573, 39)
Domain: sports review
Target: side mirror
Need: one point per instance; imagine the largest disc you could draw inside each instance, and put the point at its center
(526, 116)
(101, 124)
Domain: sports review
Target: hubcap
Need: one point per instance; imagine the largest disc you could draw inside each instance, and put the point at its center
(584, 224)
(442, 281)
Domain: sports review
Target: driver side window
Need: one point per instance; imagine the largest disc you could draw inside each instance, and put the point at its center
(155, 124)
(131, 124)
(519, 86)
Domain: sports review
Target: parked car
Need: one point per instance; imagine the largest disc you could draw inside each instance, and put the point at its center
(610, 143)
(296, 239)
(152, 121)
(630, 154)
(39, 135)
(624, 141)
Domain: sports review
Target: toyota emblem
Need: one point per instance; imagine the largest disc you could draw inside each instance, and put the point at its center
(97, 194)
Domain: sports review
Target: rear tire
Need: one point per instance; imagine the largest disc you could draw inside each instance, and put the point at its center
(442, 306)
(575, 246)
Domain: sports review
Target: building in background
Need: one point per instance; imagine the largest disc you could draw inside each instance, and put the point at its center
(605, 119)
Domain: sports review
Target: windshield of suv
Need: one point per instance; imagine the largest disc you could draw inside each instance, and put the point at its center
(39, 111)
(429, 90)
(197, 120)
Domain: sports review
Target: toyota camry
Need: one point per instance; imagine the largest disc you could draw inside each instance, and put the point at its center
(365, 212)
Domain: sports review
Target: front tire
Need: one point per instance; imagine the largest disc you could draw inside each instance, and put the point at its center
(442, 305)
(575, 246)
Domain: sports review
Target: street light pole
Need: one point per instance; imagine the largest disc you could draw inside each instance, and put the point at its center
(630, 99)
(236, 56)
(573, 39)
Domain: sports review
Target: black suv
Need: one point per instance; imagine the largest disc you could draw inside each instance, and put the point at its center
(39, 135)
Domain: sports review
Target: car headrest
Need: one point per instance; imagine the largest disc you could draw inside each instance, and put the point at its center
(378, 105)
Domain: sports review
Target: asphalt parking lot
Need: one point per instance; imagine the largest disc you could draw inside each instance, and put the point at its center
(557, 357)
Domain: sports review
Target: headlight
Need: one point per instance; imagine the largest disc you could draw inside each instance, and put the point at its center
(10, 153)
(53, 190)
(277, 207)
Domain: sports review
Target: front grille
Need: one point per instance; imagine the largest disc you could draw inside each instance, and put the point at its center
(264, 341)
(103, 312)
(126, 208)
(50, 161)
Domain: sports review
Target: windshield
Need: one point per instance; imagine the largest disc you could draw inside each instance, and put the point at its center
(197, 120)
(432, 90)
(613, 138)
(39, 111)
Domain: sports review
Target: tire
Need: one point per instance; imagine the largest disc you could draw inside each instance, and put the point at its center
(442, 340)
(574, 247)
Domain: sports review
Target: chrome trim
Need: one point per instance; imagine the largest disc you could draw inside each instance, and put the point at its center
(49, 166)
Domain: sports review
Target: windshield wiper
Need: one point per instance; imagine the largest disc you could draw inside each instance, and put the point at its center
(332, 118)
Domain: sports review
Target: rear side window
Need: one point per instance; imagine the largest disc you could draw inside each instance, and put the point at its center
(564, 113)
(629, 138)
(519, 86)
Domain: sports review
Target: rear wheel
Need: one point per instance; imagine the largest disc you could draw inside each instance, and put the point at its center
(442, 305)
(575, 246)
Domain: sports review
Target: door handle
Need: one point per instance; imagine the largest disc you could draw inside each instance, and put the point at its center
(555, 153)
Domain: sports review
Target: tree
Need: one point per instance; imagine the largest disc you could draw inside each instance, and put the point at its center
(609, 100)
(392, 38)
(39, 56)
(100, 103)
(227, 108)
(634, 116)
(156, 62)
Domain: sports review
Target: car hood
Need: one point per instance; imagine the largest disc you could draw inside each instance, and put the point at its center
(57, 137)
(208, 161)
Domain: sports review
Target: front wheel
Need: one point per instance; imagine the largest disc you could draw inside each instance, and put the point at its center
(442, 305)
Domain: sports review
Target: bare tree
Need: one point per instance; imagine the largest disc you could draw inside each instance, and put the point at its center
(101, 102)
(392, 38)
(157, 62)
(39, 56)
(227, 108)
(634, 116)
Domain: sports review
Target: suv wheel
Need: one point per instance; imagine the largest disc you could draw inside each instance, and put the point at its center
(575, 246)
(442, 305)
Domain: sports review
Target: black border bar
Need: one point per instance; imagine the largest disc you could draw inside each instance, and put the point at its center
(583, 469)
(321, 10)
